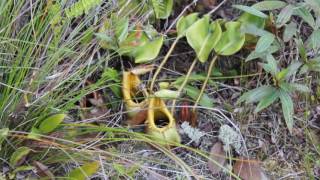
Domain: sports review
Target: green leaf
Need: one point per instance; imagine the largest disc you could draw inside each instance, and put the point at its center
(315, 5)
(267, 100)
(282, 74)
(51, 123)
(122, 26)
(302, 49)
(251, 29)
(84, 172)
(312, 65)
(256, 95)
(286, 87)
(104, 37)
(304, 69)
(185, 22)
(193, 92)
(162, 8)
(148, 51)
(292, 69)
(3, 135)
(18, 154)
(203, 36)
(285, 15)
(251, 10)
(287, 109)
(23, 168)
(306, 15)
(314, 40)
(290, 31)
(231, 40)
(252, 24)
(34, 134)
(269, 5)
(272, 66)
(264, 42)
(132, 43)
(254, 55)
(87, 36)
(111, 74)
(119, 168)
(166, 93)
(300, 87)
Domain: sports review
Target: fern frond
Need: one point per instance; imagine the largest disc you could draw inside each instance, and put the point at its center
(81, 7)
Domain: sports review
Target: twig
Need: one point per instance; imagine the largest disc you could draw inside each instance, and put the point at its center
(165, 59)
(205, 82)
(184, 83)
(217, 7)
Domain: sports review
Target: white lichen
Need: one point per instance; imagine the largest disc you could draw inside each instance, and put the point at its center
(193, 133)
(230, 138)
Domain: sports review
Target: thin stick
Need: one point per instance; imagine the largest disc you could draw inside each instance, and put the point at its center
(217, 7)
(163, 63)
(183, 84)
(205, 82)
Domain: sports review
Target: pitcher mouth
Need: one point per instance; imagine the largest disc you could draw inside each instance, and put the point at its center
(161, 122)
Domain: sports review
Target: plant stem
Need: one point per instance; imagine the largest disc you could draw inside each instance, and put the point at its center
(163, 63)
(183, 84)
(205, 82)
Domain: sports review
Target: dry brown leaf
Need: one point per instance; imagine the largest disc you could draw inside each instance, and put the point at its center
(218, 155)
(249, 169)
(43, 170)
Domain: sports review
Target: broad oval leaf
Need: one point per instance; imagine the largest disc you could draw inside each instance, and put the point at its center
(203, 36)
(84, 172)
(162, 8)
(264, 42)
(251, 10)
(249, 19)
(133, 41)
(269, 5)
(231, 40)
(51, 123)
(252, 26)
(287, 109)
(18, 155)
(185, 22)
(148, 51)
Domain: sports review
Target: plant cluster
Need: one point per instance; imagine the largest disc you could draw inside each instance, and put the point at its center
(48, 62)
